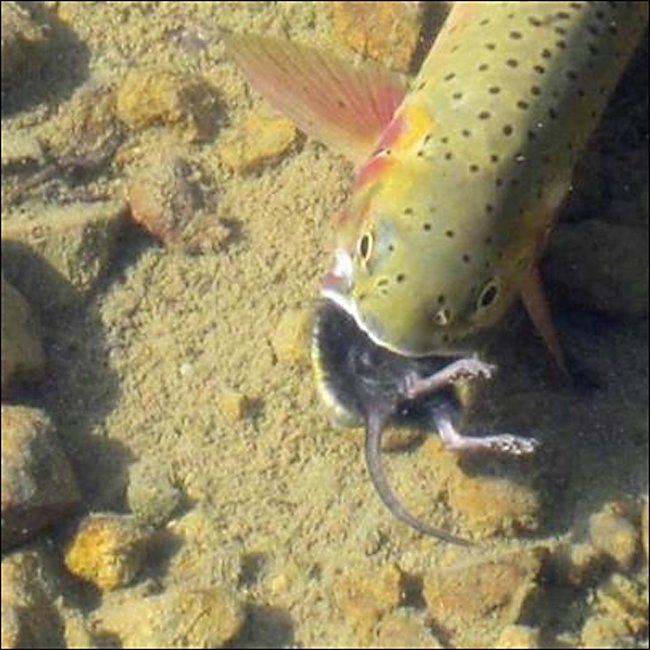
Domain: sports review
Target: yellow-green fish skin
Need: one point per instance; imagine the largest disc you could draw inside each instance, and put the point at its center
(454, 209)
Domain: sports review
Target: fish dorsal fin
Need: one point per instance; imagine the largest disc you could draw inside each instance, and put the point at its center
(532, 294)
(343, 106)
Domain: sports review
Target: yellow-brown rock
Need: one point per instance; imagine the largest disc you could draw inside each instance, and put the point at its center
(603, 631)
(464, 593)
(257, 141)
(107, 550)
(615, 536)
(488, 504)
(624, 600)
(518, 637)
(205, 618)
(364, 597)
(149, 96)
(291, 338)
(386, 31)
(232, 405)
(401, 629)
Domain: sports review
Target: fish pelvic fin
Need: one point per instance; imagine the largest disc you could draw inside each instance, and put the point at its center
(534, 299)
(343, 106)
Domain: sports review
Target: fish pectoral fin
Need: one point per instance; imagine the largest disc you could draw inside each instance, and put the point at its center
(345, 107)
(534, 298)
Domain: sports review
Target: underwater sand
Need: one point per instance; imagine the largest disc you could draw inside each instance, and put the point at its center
(284, 499)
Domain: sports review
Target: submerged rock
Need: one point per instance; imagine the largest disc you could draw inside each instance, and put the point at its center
(150, 96)
(461, 595)
(56, 253)
(22, 41)
(385, 31)
(166, 200)
(22, 351)
(177, 618)
(31, 583)
(151, 495)
(616, 537)
(107, 550)
(38, 487)
(257, 141)
(363, 598)
(490, 505)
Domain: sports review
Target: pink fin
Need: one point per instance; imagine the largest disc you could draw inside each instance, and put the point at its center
(345, 107)
(532, 293)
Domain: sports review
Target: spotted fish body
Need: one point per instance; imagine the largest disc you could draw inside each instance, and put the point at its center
(452, 211)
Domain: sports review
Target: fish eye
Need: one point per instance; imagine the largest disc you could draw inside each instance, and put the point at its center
(488, 295)
(364, 246)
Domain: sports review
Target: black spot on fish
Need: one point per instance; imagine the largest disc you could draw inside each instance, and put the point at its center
(535, 22)
(516, 36)
(489, 208)
(562, 15)
(539, 69)
(426, 226)
(484, 115)
(488, 241)
(448, 155)
(535, 90)
(450, 76)
(490, 46)
(571, 75)
(457, 96)
(560, 30)
(561, 45)
(441, 299)
(408, 211)
(512, 63)
(449, 233)
(466, 258)
(522, 104)
(546, 54)
(444, 140)
(483, 67)
(466, 132)
(494, 90)
(552, 113)
(473, 168)
(484, 22)
(507, 129)
(400, 277)
(494, 158)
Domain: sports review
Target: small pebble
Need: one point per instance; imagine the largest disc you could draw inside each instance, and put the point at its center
(232, 405)
(292, 335)
(107, 550)
(256, 142)
(616, 537)
(150, 96)
(151, 494)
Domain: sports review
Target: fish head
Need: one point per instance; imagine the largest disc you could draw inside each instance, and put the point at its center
(415, 285)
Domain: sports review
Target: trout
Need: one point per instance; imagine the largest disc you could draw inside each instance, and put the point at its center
(459, 177)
